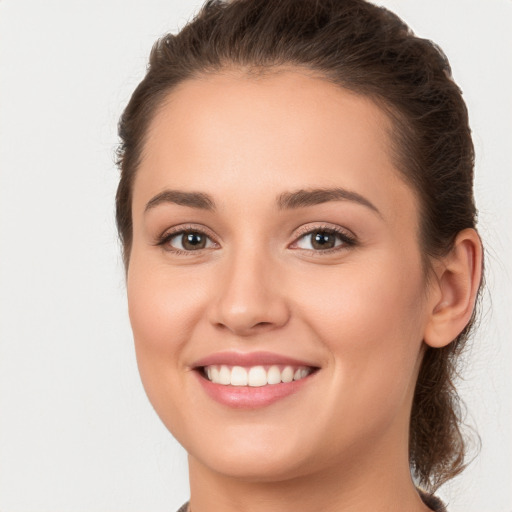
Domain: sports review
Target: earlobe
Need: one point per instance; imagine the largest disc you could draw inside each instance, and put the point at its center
(458, 278)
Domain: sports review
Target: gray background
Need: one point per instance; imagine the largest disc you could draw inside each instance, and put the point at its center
(76, 431)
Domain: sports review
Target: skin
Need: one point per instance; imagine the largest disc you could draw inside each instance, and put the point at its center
(362, 313)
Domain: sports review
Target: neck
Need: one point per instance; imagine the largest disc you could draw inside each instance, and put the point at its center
(364, 486)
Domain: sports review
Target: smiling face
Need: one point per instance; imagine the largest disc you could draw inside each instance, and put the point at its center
(272, 233)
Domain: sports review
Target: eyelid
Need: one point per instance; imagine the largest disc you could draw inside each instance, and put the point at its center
(323, 226)
(348, 237)
(173, 231)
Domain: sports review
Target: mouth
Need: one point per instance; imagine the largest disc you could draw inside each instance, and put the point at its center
(254, 376)
(248, 381)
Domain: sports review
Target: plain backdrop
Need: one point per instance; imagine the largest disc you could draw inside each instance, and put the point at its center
(76, 430)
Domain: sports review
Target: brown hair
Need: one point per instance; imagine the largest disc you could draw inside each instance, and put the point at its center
(369, 50)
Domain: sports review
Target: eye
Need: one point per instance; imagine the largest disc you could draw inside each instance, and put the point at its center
(323, 239)
(186, 241)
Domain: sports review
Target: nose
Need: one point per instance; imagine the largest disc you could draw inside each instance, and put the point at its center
(250, 297)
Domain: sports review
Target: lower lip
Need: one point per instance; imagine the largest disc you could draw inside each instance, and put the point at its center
(248, 397)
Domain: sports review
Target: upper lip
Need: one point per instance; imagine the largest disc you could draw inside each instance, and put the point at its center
(249, 359)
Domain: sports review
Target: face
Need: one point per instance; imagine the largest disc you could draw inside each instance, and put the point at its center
(276, 289)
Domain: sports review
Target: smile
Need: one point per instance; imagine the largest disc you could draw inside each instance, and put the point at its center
(252, 380)
(254, 376)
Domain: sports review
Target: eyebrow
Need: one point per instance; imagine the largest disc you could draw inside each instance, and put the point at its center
(192, 199)
(286, 201)
(303, 198)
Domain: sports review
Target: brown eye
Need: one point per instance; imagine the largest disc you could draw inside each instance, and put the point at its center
(193, 241)
(189, 241)
(323, 239)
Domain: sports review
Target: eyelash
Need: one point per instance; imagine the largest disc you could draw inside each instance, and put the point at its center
(347, 239)
(167, 236)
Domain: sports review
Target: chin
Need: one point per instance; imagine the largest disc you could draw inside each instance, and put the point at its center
(252, 457)
(249, 469)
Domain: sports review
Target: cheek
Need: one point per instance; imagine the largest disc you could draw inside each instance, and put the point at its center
(163, 310)
(163, 306)
(371, 319)
(357, 299)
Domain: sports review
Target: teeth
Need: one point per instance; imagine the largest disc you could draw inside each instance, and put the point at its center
(238, 376)
(287, 374)
(300, 373)
(224, 375)
(274, 375)
(255, 376)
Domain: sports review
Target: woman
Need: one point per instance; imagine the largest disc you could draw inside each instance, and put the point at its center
(298, 227)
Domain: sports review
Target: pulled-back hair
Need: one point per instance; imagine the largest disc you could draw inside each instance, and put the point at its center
(370, 51)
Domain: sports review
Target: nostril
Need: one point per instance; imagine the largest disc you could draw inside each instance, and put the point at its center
(248, 313)
(242, 329)
(262, 324)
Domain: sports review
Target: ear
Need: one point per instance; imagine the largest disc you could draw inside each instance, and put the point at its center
(455, 288)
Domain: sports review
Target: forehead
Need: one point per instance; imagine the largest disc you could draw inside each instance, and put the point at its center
(232, 134)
